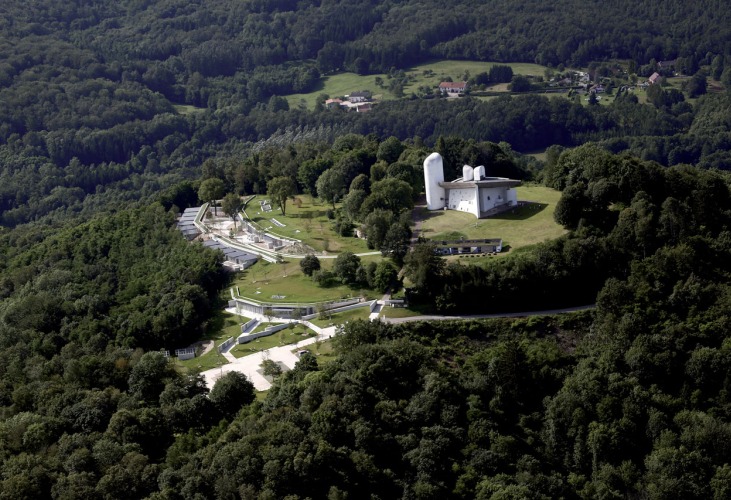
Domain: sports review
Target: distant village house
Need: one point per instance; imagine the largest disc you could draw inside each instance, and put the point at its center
(452, 87)
(360, 96)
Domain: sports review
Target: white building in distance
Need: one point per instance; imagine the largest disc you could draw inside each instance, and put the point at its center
(474, 192)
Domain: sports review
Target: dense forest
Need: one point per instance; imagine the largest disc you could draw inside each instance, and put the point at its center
(89, 89)
(114, 113)
(628, 400)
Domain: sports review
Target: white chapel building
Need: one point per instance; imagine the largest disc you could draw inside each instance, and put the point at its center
(474, 192)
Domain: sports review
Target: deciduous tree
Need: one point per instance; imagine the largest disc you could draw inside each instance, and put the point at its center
(231, 204)
(281, 188)
(211, 190)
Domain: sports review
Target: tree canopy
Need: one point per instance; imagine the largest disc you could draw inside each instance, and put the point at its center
(281, 188)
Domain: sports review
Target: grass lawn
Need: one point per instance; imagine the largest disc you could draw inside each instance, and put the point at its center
(526, 226)
(323, 351)
(280, 338)
(212, 359)
(398, 312)
(340, 318)
(538, 155)
(286, 283)
(305, 220)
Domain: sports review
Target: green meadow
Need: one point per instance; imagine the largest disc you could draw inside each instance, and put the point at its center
(518, 228)
(430, 74)
(285, 283)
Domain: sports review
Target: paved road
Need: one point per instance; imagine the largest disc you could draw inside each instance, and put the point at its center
(487, 316)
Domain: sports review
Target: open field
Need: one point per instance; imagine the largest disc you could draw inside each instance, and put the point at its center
(438, 71)
(186, 109)
(307, 222)
(522, 227)
(430, 74)
(341, 84)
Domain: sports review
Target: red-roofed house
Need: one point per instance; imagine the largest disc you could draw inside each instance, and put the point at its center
(452, 87)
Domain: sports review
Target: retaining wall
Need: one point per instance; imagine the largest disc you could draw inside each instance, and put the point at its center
(248, 324)
(243, 339)
(336, 310)
(226, 344)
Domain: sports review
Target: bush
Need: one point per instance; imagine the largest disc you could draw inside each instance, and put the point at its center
(323, 277)
(343, 227)
(310, 264)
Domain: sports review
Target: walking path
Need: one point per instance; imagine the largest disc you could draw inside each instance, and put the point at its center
(250, 365)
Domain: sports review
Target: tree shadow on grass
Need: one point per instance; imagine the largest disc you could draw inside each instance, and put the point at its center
(422, 215)
(522, 212)
(315, 214)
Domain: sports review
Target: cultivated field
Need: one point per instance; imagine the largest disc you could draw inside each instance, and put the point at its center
(519, 228)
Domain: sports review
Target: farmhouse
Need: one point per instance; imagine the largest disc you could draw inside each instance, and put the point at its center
(452, 87)
(474, 192)
(654, 78)
(360, 96)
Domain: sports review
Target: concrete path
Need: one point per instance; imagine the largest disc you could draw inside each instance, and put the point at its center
(250, 365)
(376, 313)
